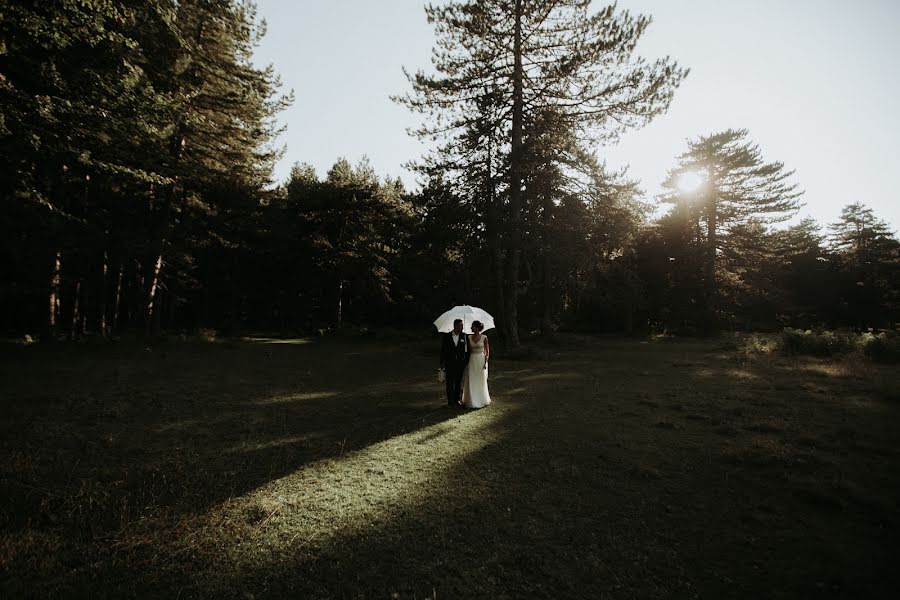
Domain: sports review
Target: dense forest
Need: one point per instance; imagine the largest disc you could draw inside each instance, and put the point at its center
(138, 141)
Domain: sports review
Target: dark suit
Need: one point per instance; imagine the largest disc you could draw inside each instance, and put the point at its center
(454, 359)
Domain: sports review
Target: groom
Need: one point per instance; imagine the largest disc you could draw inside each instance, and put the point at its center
(454, 358)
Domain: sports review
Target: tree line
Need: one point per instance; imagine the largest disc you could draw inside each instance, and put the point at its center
(136, 139)
(138, 142)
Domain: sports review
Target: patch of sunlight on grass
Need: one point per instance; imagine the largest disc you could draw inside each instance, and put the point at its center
(269, 340)
(867, 402)
(327, 501)
(826, 369)
(741, 374)
(299, 397)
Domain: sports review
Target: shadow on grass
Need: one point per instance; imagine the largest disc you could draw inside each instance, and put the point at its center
(568, 488)
(104, 443)
(616, 471)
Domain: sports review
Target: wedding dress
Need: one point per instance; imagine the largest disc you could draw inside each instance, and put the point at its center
(475, 387)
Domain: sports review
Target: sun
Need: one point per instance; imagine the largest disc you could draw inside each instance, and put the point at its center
(690, 181)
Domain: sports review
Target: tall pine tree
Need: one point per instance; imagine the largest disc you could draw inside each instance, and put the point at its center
(522, 58)
(723, 182)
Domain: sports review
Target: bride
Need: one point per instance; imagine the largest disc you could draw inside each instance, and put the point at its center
(475, 387)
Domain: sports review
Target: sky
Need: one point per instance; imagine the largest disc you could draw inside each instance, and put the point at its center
(814, 81)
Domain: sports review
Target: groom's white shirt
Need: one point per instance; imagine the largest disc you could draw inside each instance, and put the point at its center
(456, 338)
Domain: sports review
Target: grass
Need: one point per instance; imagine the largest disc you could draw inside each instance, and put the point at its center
(331, 469)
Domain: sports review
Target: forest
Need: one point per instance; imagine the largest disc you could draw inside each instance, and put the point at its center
(138, 142)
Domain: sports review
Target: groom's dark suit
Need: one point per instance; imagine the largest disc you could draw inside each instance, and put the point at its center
(454, 358)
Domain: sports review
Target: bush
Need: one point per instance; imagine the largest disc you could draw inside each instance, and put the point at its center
(819, 343)
(883, 348)
(757, 344)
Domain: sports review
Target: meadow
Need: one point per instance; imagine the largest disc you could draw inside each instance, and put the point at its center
(331, 468)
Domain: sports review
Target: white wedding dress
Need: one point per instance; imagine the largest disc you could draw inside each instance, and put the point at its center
(475, 387)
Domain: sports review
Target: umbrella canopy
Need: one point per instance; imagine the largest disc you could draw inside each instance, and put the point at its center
(444, 323)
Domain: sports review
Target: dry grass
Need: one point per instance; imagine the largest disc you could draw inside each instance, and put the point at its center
(331, 469)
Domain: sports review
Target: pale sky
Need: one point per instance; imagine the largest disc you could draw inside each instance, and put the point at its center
(815, 82)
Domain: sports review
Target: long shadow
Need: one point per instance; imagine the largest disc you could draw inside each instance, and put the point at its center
(105, 443)
(618, 471)
(580, 490)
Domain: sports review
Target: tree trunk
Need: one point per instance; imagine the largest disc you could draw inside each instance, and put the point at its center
(101, 298)
(548, 318)
(134, 294)
(159, 235)
(53, 308)
(495, 247)
(152, 282)
(118, 298)
(162, 297)
(629, 297)
(510, 314)
(338, 317)
(234, 301)
(711, 325)
(76, 310)
(203, 315)
(548, 327)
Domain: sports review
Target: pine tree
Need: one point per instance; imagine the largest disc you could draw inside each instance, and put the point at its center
(353, 226)
(735, 192)
(219, 144)
(131, 131)
(802, 269)
(76, 107)
(523, 58)
(868, 255)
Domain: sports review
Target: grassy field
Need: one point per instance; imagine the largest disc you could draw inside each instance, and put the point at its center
(332, 469)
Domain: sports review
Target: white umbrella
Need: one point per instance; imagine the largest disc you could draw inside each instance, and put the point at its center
(444, 323)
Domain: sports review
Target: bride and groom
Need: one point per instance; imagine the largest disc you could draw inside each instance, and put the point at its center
(464, 361)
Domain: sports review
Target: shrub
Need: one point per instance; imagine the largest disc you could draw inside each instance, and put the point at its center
(819, 343)
(758, 344)
(883, 347)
